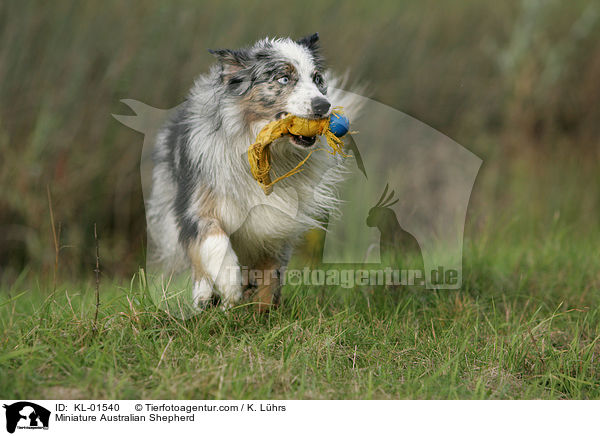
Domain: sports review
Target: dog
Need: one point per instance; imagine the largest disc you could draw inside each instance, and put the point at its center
(206, 213)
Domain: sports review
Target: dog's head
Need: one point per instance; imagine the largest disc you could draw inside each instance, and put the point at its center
(276, 77)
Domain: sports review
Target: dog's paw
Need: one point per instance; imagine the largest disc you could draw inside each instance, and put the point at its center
(231, 294)
(202, 293)
(249, 293)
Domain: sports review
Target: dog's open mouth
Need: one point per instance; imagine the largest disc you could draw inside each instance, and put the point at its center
(305, 141)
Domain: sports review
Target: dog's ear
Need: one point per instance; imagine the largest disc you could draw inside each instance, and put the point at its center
(231, 60)
(235, 65)
(311, 41)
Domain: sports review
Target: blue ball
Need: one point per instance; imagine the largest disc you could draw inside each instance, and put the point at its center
(339, 125)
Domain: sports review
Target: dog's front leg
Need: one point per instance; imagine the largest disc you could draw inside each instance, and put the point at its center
(214, 259)
(267, 293)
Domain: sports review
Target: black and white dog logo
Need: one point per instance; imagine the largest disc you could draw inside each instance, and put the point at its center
(26, 415)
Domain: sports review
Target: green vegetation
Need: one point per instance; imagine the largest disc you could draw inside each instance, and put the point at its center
(510, 81)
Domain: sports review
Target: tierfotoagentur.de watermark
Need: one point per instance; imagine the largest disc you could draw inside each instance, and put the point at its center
(345, 278)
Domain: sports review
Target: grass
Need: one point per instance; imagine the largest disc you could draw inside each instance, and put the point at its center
(525, 325)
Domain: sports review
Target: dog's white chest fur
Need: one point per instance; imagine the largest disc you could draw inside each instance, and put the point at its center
(260, 223)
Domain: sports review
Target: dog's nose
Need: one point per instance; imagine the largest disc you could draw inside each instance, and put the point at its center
(320, 106)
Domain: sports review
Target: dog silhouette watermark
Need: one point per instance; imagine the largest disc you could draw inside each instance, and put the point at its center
(423, 181)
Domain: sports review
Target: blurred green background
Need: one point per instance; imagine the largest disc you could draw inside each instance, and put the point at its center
(516, 82)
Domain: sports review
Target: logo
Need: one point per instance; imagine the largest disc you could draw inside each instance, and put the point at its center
(26, 415)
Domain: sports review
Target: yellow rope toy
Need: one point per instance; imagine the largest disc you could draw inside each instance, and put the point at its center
(259, 153)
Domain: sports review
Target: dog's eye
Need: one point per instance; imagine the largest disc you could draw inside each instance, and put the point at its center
(318, 79)
(283, 80)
